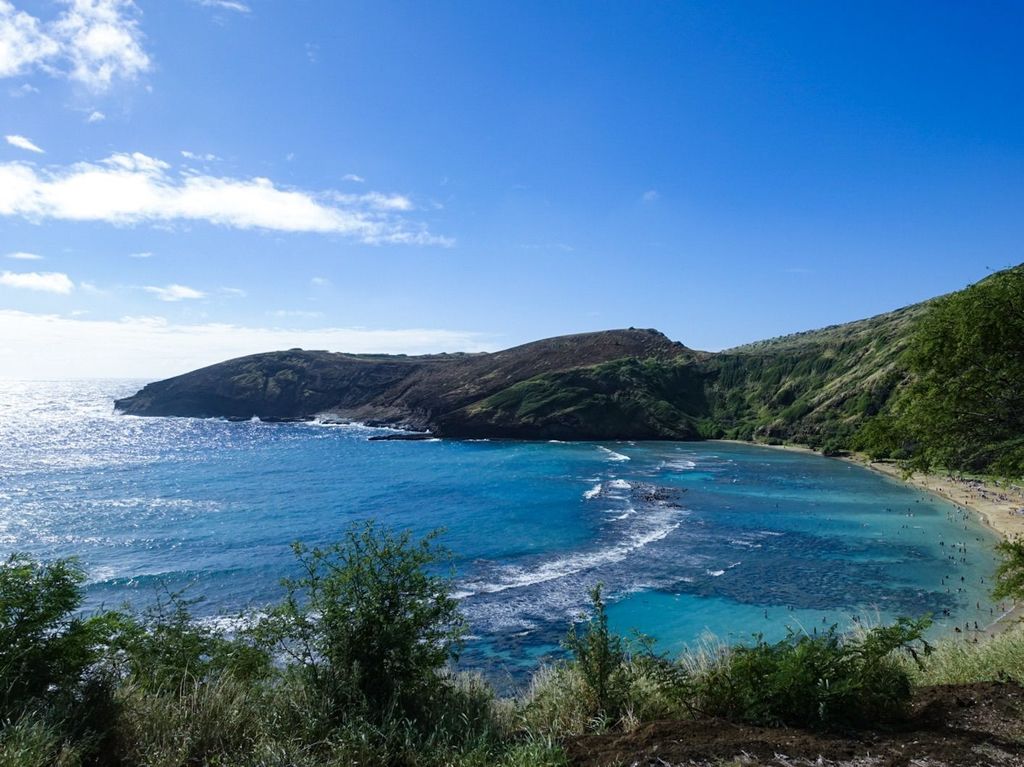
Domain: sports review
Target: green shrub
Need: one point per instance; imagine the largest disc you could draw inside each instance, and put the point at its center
(164, 648)
(608, 681)
(46, 649)
(815, 681)
(1010, 573)
(599, 656)
(368, 626)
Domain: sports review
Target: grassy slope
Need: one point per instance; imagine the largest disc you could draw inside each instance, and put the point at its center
(651, 398)
(814, 387)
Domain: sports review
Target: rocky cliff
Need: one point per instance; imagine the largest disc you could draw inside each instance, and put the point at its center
(617, 384)
(442, 393)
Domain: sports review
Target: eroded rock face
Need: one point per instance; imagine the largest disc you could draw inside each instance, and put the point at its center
(445, 393)
(815, 387)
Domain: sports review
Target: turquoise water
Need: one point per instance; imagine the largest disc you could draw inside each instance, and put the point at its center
(688, 538)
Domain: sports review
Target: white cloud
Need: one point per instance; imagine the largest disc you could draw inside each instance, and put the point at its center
(234, 292)
(95, 116)
(93, 42)
(101, 42)
(651, 195)
(174, 292)
(353, 177)
(23, 143)
(386, 201)
(226, 5)
(47, 282)
(23, 256)
(195, 156)
(23, 41)
(52, 346)
(127, 189)
(320, 282)
(142, 254)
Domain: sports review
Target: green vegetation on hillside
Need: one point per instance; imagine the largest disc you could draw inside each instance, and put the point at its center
(650, 398)
(814, 388)
(940, 384)
(352, 667)
(963, 408)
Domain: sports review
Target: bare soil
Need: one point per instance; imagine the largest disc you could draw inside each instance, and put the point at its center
(976, 725)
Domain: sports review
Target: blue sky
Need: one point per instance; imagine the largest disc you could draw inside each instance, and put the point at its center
(222, 177)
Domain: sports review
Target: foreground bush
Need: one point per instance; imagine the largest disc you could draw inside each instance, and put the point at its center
(815, 681)
(46, 649)
(362, 645)
(609, 681)
(368, 627)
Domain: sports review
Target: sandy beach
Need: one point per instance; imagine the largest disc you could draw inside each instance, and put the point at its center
(998, 506)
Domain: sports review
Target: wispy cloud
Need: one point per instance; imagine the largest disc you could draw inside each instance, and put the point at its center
(319, 282)
(126, 189)
(205, 157)
(233, 292)
(22, 143)
(174, 292)
(93, 42)
(41, 345)
(47, 282)
(353, 177)
(141, 254)
(95, 116)
(651, 195)
(296, 313)
(23, 256)
(378, 200)
(226, 5)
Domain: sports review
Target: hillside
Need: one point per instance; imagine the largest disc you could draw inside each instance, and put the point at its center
(815, 387)
(812, 387)
(423, 392)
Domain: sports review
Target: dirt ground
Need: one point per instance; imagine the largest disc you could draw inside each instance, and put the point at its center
(975, 725)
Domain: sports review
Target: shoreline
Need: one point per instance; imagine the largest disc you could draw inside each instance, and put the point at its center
(1000, 509)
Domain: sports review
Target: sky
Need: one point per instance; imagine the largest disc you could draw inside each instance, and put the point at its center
(183, 181)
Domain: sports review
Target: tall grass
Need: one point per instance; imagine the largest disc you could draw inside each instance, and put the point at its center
(959, 661)
(32, 742)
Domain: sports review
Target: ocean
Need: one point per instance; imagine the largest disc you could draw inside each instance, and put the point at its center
(690, 540)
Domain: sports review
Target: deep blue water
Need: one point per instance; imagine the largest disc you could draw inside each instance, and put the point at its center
(687, 538)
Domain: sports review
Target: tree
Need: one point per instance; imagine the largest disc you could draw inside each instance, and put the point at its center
(369, 624)
(1010, 573)
(46, 648)
(964, 408)
(599, 655)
